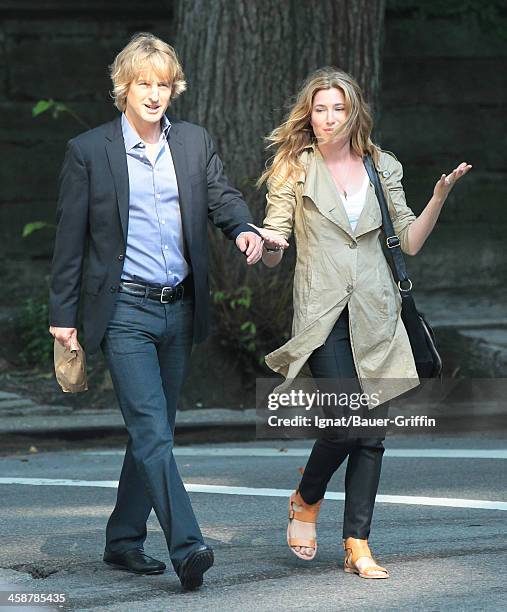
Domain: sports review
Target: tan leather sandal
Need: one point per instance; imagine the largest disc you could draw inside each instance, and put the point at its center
(356, 549)
(307, 513)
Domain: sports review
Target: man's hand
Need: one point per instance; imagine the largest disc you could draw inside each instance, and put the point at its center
(250, 244)
(66, 336)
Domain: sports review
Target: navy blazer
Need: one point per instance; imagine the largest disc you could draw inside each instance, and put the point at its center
(92, 222)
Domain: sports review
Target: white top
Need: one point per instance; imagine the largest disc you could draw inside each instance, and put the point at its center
(354, 203)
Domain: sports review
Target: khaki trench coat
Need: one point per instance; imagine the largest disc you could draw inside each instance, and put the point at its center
(336, 266)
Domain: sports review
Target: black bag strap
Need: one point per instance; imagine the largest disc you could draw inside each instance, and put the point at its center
(392, 240)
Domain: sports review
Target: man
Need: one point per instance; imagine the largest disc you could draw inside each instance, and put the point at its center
(135, 194)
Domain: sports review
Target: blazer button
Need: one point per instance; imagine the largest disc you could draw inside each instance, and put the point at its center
(349, 288)
(386, 174)
(113, 288)
(352, 245)
(121, 257)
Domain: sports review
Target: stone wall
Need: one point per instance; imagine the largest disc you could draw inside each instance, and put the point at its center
(444, 100)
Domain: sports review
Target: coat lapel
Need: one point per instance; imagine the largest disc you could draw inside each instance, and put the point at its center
(370, 217)
(320, 188)
(115, 149)
(179, 155)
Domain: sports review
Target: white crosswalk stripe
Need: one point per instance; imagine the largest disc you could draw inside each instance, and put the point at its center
(263, 492)
(429, 453)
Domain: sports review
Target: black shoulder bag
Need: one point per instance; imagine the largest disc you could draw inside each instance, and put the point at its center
(422, 339)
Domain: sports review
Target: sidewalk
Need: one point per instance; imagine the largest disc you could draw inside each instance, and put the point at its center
(22, 416)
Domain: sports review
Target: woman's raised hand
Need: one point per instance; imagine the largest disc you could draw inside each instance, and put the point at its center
(447, 182)
(272, 240)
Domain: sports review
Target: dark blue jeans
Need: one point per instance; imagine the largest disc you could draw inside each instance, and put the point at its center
(147, 347)
(334, 360)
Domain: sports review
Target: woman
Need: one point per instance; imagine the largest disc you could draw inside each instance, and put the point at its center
(347, 321)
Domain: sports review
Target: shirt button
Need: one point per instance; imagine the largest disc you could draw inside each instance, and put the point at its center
(158, 196)
(349, 288)
(162, 221)
(165, 247)
(352, 245)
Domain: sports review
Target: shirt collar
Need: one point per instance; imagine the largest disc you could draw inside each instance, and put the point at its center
(166, 124)
(132, 138)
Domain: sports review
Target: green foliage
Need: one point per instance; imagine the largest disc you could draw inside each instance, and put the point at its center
(33, 327)
(234, 330)
(35, 226)
(252, 306)
(43, 106)
(56, 109)
(236, 308)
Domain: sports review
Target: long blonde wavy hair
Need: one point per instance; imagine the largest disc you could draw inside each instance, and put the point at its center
(295, 133)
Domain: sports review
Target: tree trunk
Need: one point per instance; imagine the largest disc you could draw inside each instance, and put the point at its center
(244, 60)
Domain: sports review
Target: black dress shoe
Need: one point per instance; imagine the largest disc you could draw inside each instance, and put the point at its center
(135, 561)
(193, 567)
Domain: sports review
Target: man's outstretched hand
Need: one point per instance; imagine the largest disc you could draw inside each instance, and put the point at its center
(250, 244)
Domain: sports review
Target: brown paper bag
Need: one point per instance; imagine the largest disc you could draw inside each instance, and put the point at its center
(70, 368)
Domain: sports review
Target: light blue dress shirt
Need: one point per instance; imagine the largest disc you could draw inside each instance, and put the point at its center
(155, 250)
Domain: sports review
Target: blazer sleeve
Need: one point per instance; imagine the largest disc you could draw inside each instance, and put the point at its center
(71, 232)
(280, 207)
(401, 214)
(226, 207)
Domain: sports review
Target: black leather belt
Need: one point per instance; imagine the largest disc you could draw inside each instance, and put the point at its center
(165, 295)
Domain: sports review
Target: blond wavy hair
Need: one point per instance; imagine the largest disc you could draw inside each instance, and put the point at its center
(145, 51)
(296, 133)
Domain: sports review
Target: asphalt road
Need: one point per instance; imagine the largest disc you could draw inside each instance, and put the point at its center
(439, 527)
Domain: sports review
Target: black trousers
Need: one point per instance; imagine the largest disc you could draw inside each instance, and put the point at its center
(334, 360)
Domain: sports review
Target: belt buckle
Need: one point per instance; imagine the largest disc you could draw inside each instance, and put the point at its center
(171, 295)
